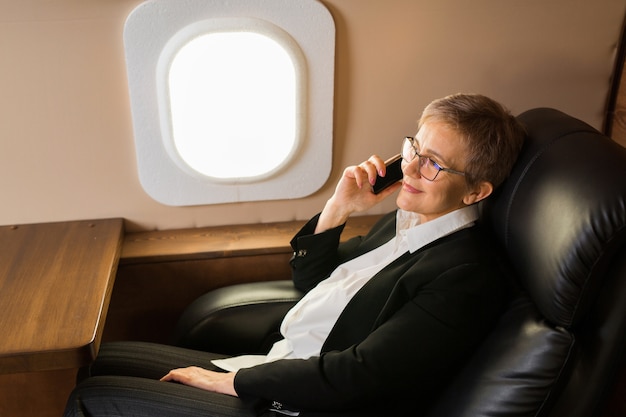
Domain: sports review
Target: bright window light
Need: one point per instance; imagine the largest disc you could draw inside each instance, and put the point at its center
(233, 105)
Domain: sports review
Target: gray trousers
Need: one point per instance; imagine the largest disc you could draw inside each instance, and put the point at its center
(124, 381)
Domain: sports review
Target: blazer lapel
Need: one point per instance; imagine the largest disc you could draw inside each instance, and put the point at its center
(362, 313)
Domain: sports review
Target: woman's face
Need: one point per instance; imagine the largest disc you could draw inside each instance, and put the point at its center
(448, 191)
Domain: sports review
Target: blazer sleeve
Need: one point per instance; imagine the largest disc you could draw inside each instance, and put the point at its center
(410, 355)
(315, 256)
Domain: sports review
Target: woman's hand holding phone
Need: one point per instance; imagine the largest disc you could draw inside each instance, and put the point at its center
(355, 191)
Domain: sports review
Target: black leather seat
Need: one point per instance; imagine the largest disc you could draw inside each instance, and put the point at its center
(561, 221)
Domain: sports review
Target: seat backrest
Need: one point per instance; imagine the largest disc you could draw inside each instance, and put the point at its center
(561, 221)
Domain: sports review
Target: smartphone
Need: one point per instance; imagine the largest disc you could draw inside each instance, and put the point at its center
(393, 174)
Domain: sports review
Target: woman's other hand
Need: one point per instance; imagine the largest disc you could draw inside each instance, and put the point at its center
(194, 376)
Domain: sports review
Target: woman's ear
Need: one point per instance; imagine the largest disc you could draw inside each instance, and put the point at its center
(479, 192)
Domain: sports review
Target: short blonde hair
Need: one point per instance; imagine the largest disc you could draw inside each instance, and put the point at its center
(493, 136)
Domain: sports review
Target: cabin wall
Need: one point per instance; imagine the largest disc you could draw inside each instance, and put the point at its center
(67, 150)
(67, 146)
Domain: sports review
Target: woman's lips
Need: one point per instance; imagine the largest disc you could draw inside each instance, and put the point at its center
(407, 187)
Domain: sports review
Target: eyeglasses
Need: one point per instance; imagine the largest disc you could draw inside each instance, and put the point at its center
(428, 168)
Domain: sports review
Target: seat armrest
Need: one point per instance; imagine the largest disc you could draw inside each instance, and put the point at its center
(238, 319)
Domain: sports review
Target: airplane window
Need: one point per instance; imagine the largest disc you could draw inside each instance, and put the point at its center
(233, 105)
(231, 101)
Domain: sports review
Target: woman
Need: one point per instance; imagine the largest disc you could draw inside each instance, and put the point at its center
(387, 317)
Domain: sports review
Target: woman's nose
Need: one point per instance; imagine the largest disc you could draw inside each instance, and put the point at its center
(412, 169)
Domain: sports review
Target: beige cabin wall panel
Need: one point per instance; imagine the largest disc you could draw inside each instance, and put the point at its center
(66, 141)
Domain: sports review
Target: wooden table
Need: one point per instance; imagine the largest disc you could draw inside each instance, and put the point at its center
(55, 285)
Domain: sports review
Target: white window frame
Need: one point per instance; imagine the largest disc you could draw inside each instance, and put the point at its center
(305, 26)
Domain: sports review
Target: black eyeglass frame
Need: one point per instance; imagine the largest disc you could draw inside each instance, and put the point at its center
(422, 160)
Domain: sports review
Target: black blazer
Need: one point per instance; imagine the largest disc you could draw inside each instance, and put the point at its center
(401, 336)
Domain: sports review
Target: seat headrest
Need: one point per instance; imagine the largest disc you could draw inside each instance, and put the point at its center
(562, 212)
